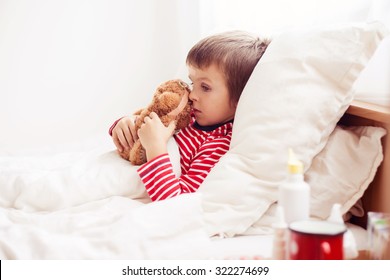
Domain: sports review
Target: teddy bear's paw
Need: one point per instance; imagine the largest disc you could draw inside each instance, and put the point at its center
(137, 154)
(142, 156)
(124, 155)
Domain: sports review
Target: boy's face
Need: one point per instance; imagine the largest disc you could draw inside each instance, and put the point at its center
(210, 96)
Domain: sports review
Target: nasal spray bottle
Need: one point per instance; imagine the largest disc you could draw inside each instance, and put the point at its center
(279, 246)
(294, 192)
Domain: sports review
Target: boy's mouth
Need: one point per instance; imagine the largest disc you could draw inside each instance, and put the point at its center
(195, 111)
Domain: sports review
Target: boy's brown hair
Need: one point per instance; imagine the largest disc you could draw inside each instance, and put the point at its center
(235, 53)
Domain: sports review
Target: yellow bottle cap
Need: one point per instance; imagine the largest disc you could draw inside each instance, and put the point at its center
(294, 165)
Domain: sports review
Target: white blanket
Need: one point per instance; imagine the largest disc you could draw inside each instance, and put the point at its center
(92, 205)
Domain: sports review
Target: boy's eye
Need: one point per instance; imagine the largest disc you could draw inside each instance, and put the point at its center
(205, 87)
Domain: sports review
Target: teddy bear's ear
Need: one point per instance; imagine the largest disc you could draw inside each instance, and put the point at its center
(183, 84)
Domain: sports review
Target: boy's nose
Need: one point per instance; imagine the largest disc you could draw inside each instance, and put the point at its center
(192, 96)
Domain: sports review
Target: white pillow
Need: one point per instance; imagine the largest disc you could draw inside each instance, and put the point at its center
(342, 171)
(373, 85)
(294, 98)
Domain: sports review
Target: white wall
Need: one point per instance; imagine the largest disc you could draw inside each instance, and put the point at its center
(69, 68)
(269, 17)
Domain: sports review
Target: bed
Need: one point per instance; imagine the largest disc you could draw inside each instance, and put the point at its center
(49, 242)
(89, 203)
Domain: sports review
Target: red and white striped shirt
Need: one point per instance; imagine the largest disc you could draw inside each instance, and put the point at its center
(200, 149)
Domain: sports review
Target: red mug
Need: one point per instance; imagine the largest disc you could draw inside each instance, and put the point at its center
(316, 240)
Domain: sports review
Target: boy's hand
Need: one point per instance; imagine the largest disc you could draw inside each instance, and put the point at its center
(124, 134)
(154, 135)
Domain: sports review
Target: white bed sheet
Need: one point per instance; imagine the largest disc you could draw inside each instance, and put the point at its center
(84, 202)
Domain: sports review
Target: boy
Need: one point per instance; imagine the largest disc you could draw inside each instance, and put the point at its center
(219, 66)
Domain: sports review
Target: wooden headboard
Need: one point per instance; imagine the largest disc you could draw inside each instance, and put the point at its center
(377, 196)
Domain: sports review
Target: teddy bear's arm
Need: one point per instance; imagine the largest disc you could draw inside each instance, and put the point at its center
(138, 112)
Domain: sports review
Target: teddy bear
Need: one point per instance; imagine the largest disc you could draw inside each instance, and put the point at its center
(170, 102)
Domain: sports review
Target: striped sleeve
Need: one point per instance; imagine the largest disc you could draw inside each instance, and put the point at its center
(160, 181)
(207, 157)
(113, 126)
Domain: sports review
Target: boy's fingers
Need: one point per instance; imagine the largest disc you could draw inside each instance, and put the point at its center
(133, 133)
(153, 115)
(127, 139)
(117, 143)
(172, 126)
(122, 139)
